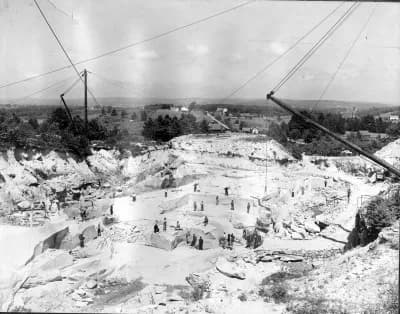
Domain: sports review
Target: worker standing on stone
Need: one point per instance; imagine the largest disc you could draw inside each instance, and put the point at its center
(232, 239)
(194, 206)
(248, 207)
(205, 221)
(325, 182)
(156, 229)
(165, 194)
(187, 237)
(202, 206)
(226, 191)
(200, 243)
(229, 240)
(134, 197)
(111, 209)
(223, 240)
(348, 194)
(98, 230)
(81, 240)
(194, 240)
(216, 200)
(232, 205)
(43, 207)
(165, 224)
(195, 187)
(178, 226)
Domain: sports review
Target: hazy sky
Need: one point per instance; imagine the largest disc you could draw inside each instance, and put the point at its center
(207, 60)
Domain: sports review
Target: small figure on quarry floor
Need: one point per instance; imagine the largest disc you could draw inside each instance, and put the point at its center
(165, 224)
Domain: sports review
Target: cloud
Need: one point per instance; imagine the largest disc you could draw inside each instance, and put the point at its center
(277, 48)
(197, 49)
(146, 55)
(236, 57)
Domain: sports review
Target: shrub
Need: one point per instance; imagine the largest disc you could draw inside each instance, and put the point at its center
(279, 277)
(277, 293)
(242, 297)
(197, 293)
(316, 306)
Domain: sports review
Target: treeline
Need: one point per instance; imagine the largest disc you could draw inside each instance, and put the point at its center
(55, 132)
(165, 128)
(317, 143)
(298, 129)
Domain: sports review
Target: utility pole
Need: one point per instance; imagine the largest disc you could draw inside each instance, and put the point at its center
(86, 110)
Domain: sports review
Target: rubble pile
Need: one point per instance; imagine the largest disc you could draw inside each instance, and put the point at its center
(239, 145)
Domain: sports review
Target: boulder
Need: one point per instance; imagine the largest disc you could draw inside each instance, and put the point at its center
(108, 220)
(24, 205)
(71, 240)
(198, 281)
(229, 269)
(291, 258)
(91, 284)
(267, 258)
(311, 226)
(166, 241)
(390, 235)
(263, 223)
(296, 236)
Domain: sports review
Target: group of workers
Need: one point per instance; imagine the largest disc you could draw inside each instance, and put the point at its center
(193, 242)
(227, 240)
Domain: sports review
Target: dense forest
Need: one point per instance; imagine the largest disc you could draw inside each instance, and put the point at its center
(165, 128)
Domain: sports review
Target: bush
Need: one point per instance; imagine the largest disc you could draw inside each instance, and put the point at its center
(197, 293)
(279, 277)
(380, 213)
(316, 305)
(242, 297)
(277, 293)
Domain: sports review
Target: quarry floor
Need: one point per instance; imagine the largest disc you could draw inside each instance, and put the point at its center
(148, 276)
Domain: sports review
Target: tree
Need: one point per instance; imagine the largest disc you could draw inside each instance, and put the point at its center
(109, 109)
(277, 132)
(114, 112)
(148, 128)
(34, 123)
(204, 126)
(123, 113)
(60, 117)
(393, 129)
(143, 115)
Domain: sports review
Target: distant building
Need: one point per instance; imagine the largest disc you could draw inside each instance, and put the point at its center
(346, 152)
(394, 118)
(365, 135)
(222, 111)
(250, 130)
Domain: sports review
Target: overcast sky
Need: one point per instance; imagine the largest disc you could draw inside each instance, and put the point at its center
(210, 59)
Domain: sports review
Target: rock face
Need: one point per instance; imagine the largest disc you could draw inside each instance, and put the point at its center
(198, 281)
(311, 226)
(164, 240)
(390, 235)
(71, 241)
(229, 269)
(52, 242)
